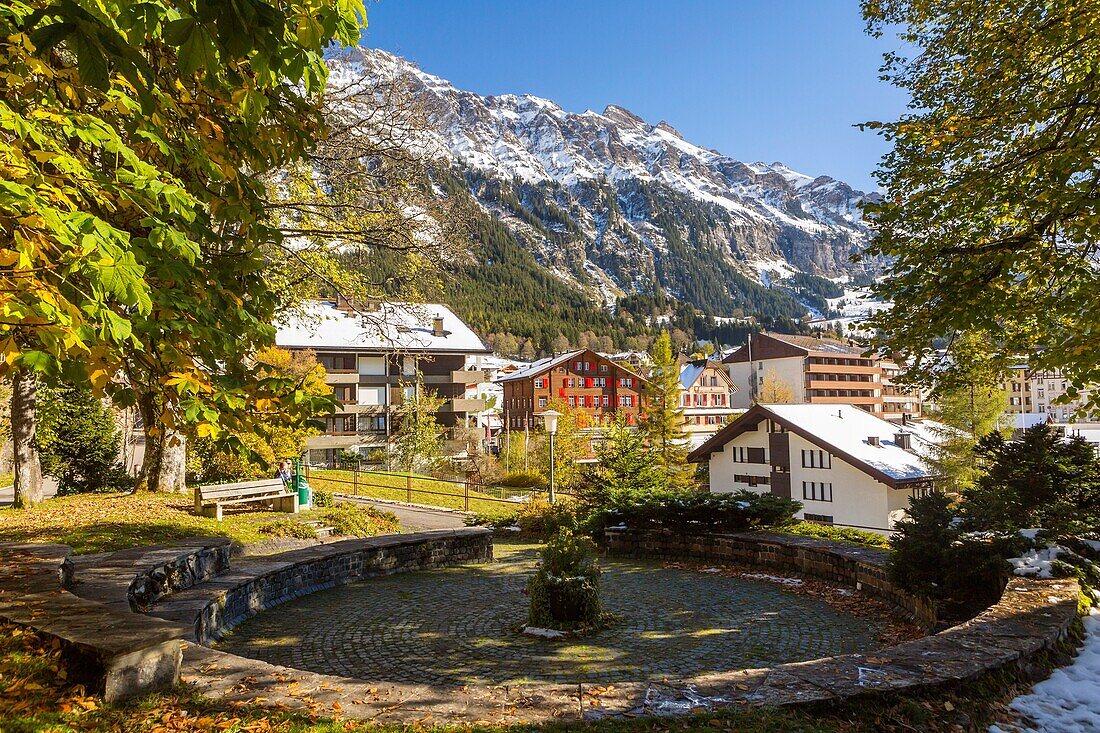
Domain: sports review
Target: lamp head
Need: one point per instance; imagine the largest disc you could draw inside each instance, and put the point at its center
(550, 420)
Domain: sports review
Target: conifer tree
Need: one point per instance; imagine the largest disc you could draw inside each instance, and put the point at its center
(662, 423)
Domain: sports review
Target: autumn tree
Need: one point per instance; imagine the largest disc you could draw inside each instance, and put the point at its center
(970, 404)
(272, 435)
(418, 440)
(133, 139)
(663, 419)
(774, 391)
(991, 217)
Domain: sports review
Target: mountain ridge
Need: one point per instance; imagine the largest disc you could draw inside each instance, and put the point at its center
(617, 206)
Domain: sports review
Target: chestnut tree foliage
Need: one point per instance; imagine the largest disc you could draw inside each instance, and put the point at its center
(992, 208)
(134, 228)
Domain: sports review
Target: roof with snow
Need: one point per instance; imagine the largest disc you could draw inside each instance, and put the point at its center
(383, 327)
(540, 366)
(845, 431)
(692, 370)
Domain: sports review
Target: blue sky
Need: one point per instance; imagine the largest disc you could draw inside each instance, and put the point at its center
(771, 80)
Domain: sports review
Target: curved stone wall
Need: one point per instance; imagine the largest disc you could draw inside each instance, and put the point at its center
(863, 569)
(252, 586)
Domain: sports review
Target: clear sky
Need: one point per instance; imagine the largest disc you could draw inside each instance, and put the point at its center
(770, 80)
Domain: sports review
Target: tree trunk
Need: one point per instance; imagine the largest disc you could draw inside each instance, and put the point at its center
(164, 465)
(28, 470)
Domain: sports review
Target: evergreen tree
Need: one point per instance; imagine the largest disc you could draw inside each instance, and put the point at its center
(1041, 480)
(663, 419)
(78, 441)
(625, 471)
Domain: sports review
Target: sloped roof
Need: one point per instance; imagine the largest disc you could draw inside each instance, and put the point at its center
(538, 367)
(844, 431)
(392, 326)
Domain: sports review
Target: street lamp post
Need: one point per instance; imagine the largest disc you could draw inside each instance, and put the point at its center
(550, 423)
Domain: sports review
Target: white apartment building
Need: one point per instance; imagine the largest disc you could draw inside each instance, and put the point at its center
(847, 466)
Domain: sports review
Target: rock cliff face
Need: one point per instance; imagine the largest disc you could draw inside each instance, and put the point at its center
(617, 205)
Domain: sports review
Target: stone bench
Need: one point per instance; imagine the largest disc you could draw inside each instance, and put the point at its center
(108, 649)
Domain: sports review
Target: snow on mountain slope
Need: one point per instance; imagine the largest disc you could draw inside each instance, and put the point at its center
(621, 205)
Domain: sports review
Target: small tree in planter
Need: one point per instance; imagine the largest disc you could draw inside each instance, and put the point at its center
(565, 591)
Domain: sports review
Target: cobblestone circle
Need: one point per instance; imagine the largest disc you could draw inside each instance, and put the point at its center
(456, 626)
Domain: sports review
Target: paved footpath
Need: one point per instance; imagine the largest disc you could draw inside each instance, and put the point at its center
(457, 626)
(416, 519)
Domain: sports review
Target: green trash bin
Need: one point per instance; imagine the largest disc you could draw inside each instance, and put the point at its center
(305, 493)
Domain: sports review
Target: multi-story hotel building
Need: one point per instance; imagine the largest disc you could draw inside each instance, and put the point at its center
(818, 371)
(375, 354)
(706, 398)
(594, 385)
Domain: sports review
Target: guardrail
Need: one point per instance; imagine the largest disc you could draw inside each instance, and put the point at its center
(445, 493)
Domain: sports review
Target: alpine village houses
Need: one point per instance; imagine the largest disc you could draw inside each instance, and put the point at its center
(819, 371)
(592, 384)
(374, 354)
(847, 466)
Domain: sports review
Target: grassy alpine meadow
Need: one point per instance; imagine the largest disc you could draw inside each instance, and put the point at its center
(105, 522)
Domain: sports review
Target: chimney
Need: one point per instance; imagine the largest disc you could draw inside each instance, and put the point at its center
(903, 440)
(437, 326)
(872, 440)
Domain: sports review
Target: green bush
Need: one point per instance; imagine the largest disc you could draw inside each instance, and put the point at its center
(322, 498)
(934, 557)
(832, 532)
(564, 592)
(525, 480)
(288, 528)
(352, 520)
(535, 517)
(698, 512)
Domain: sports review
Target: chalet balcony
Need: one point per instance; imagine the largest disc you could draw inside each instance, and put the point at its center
(462, 404)
(342, 377)
(841, 369)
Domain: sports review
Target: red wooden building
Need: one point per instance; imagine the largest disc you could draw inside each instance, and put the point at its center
(586, 381)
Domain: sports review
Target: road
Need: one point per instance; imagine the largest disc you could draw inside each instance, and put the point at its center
(7, 493)
(414, 518)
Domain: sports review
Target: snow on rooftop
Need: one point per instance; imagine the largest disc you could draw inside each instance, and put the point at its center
(537, 367)
(392, 326)
(690, 373)
(847, 428)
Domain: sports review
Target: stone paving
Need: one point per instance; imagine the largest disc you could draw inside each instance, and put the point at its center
(457, 626)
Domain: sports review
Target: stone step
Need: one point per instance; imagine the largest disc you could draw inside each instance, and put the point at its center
(320, 528)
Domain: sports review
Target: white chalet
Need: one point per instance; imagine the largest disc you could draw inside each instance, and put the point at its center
(845, 465)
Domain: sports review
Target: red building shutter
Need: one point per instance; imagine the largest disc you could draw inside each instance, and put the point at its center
(561, 392)
(588, 382)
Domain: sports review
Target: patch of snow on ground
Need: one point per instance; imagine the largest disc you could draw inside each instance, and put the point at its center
(1035, 563)
(1069, 700)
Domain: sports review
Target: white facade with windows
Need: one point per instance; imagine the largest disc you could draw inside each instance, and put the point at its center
(846, 466)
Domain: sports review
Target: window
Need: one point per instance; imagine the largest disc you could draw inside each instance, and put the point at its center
(540, 383)
(817, 490)
(603, 368)
(607, 400)
(626, 382)
(819, 518)
(571, 382)
(587, 366)
(572, 401)
(743, 454)
(816, 459)
(542, 402)
(751, 480)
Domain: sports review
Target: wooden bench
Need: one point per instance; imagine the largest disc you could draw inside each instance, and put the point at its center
(209, 500)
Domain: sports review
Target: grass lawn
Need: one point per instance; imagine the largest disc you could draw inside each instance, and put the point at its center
(102, 522)
(396, 486)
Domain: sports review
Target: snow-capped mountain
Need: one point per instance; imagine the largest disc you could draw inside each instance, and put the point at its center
(618, 205)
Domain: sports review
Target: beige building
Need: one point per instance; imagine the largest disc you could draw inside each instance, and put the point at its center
(845, 465)
(1034, 396)
(706, 398)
